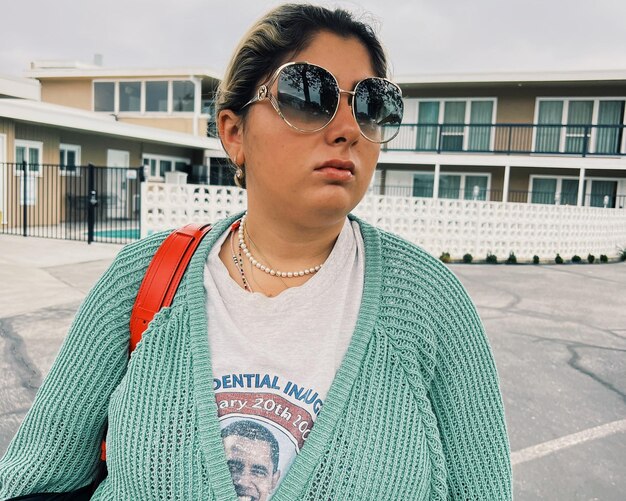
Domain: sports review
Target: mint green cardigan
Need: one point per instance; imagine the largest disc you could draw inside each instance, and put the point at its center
(414, 412)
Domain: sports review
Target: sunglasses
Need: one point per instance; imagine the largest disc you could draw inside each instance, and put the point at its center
(307, 99)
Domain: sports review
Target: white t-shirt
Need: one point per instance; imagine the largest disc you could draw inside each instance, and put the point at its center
(274, 359)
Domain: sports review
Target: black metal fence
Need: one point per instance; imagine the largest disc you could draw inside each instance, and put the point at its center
(609, 201)
(89, 203)
(552, 139)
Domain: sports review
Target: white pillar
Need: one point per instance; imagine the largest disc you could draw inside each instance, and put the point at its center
(436, 183)
(505, 188)
(581, 188)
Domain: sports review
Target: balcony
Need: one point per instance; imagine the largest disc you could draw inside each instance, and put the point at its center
(572, 140)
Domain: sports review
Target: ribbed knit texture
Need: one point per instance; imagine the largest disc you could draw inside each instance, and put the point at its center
(414, 412)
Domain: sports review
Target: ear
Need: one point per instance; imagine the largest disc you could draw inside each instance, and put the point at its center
(230, 128)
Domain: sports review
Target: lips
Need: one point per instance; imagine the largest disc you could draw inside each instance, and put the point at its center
(337, 163)
(336, 171)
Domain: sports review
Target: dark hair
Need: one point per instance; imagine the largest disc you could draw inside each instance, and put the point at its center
(254, 431)
(281, 33)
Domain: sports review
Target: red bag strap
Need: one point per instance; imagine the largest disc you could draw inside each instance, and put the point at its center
(163, 277)
(161, 281)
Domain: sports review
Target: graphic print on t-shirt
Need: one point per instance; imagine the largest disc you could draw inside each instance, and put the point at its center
(265, 421)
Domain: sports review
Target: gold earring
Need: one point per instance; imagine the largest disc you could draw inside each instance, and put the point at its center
(239, 175)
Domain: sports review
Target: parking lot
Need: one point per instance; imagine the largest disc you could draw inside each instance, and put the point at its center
(558, 334)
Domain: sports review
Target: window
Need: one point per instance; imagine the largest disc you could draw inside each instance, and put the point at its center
(155, 166)
(69, 159)
(28, 156)
(580, 125)
(130, 96)
(104, 96)
(423, 185)
(609, 137)
(183, 95)
(455, 186)
(603, 193)
(150, 96)
(156, 96)
(554, 190)
(455, 125)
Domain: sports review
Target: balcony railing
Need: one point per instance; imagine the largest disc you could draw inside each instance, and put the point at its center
(576, 140)
(610, 201)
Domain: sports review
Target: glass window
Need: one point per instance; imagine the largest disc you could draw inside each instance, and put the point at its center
(452, 135)
(569, 192)
(610, 118)
(104, 96)
(479, 136)
(156, 96)
(130, 96)
(428, 113)
(544, 191)
(27, 157)
(603, 193)
(548, 128)
(183, 95)
(476, 187)
(69, 158)
(576, 138)
(423, 185)
(449, 186)
(164, 166)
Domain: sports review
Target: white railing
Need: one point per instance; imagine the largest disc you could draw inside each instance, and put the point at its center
(454, 226)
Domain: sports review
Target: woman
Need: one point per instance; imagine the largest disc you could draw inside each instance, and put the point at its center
(307, 355)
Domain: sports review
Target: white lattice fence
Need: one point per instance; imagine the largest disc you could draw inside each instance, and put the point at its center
(454, 226)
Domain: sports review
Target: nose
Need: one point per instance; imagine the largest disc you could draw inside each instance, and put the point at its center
(343, 127)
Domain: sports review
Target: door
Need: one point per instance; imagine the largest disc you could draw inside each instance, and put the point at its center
(118, 162)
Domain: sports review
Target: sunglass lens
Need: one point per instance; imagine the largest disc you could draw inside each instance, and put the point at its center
(378, 108)
(307, 96)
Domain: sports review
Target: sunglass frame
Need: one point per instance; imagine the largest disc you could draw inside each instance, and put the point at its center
(264, 92)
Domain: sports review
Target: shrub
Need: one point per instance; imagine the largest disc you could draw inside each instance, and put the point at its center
(591, 258)
(467, 258)
(511, 259)
(491, 258)
(445, 257)
(622, 254)
(558, 259)
(535, 259)
(604, 258)
(576, 258)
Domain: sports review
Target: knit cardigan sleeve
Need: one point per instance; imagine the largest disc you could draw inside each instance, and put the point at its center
(443, 344)
(57, 447)
(466, 399)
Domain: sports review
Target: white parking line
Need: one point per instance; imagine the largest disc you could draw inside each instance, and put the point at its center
(540, 450)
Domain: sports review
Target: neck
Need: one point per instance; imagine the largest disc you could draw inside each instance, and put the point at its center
(291, 244)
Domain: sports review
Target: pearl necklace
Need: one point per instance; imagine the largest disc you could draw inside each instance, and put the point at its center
(267, 269)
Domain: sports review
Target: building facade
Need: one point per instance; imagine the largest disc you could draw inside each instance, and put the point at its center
(532, 138)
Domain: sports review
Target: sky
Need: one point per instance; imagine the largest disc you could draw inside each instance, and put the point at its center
(421, 36)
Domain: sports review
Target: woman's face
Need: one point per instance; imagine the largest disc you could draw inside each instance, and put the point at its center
(314, 175)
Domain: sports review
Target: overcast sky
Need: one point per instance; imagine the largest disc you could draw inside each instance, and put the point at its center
(422, 36)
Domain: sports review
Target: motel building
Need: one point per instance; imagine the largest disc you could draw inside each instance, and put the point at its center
(528, 151)
(538, 138)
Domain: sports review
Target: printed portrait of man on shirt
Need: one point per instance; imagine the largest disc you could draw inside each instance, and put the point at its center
(252, 454)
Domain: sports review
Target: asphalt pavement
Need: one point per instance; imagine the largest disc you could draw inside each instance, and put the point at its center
(558, 334)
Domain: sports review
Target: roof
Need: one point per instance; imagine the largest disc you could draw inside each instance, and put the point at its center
(515, 77)
(25, 88)
(88, 71)
(87, 121)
